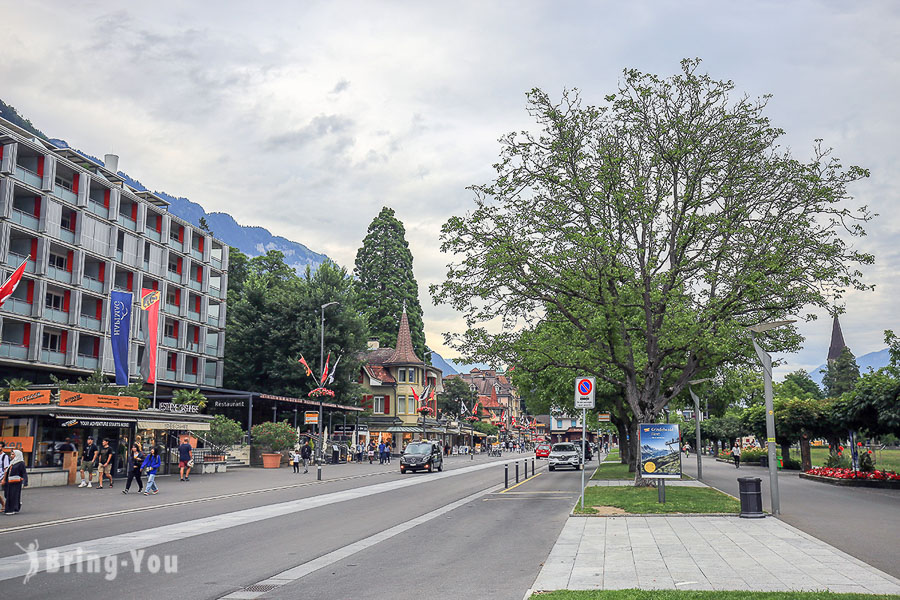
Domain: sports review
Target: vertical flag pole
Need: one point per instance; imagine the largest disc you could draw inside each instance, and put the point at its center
(583, 428)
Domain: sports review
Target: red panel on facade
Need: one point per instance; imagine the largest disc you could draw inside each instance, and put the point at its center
(178, 265)
(106, 194)
(37, 207)
(387, 405)
(64, 341)
(73, 219)
(158, 223)
(180, 234)
(133, 211)
(194, 365)
(26, 335)
(177, 297)
(155, 285)
(98, 310)
(70, 258)
(102, 273)
(66, 297)
(199, 274)
(196, 303)
(200, 243)
(75, 181)
(29, 295)
(40, 166)
(196, 335)
(96, 347)
(1, 151)
(129, 281)
(33, 249)
(175, 328)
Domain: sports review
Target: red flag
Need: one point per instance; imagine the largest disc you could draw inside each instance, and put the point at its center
(7, 289)
(302, 361)
(150, 327)
(325, 372)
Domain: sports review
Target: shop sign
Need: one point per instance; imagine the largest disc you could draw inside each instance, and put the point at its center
(229, 403)
(311, 417)
(179, 408)
(29, 397)
(25, 444)
(93, 423)
(97, 400)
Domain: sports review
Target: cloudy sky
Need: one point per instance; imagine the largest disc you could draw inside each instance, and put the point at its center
(308, 117)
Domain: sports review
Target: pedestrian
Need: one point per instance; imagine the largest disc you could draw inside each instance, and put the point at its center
(381, 453)
(152, 463)
(736, 453)
(305, 454)
(135, 464)
(105, 464)
(14, 479)
(387, 453)
(371, 452)
(88, 460)
(295, 460)
(185, 459)
(5, 459)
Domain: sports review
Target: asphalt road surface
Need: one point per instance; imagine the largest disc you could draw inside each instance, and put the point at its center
(455, 534)
(863, 522)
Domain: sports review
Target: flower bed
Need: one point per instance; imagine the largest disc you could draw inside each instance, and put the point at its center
(849, 477)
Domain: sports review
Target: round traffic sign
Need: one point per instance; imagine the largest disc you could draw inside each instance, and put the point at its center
(585, 387)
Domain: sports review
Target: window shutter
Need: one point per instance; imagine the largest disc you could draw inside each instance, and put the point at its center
(66, 296)
(106, 199)
(102, 273)
(75, 180)
(37, 207)
(26, 335)
(70, 255)
(30, 294)
(387, 405)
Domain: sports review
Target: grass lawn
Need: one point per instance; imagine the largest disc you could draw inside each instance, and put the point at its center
(612, 470)
(698, 595)
(613, 455)
(884, 459)
(645, 500)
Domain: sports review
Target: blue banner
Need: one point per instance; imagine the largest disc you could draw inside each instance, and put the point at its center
(120, 304)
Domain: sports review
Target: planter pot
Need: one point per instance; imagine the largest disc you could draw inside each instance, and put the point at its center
(271, 460)
(215, 458)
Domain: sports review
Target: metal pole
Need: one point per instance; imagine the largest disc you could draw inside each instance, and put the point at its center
(661, 490)
(250, 421)
(295, 418)
(766, 360)
(583, 430)
(517, 471)
(321, 370)
(505, 476)
(697, 427)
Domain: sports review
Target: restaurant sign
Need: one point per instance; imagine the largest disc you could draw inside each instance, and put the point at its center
(179, 408)
(97, 400)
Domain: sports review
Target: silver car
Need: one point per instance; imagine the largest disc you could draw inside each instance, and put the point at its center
(565, 454)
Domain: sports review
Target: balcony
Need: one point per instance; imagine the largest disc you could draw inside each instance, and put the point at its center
(170, 341)
(127, 223)
(209, 380)
(59, 274)
(87, 362)
(196, 254)
(52, 357)
(13, 351)
(192, 347)
(215, 261)
(196, 285)
(89, 322)
(212, 350)
(213, 320)
(57, 316)
(17, 306)
(170, 375)
(173, 277)
(14, 260)
(98, 209)
(92, 284)
(29, 221)
(215, 292)
(29, 177)
(66, 235)
(65, 194)
(153, 234)
(174, 243)
(172, 309)
(190, 378)
(194, 315)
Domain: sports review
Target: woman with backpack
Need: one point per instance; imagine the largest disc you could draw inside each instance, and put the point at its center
(152, 463)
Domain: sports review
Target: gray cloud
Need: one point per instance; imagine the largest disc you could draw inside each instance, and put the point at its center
(340, 86)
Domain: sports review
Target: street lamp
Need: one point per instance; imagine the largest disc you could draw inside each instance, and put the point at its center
(697, 419)
(322, 370)
(766, 361)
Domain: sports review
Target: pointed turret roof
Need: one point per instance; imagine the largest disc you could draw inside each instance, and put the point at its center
(837, 340)
(404, 354)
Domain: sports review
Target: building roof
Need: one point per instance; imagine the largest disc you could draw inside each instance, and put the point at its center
(837, 340)
(404, 354)
(379, 373)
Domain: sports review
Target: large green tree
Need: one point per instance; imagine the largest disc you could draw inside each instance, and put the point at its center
(385, 282)
(456, 390)
(660, 226)
(841, 374)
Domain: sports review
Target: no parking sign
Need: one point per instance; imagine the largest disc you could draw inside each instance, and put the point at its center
(584, 392)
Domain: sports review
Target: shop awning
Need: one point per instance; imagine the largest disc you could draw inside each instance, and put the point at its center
(405, 429)
(188, 425)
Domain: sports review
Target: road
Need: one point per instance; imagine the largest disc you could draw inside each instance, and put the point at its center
(863, 522)
(367, 531)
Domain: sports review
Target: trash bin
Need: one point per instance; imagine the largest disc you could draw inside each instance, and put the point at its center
(764, 461)
(751, 497)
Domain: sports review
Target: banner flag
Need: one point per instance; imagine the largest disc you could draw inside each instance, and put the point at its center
(302, 361)
(150, 329)
(7, 289)
(120, 332)
(325, 371)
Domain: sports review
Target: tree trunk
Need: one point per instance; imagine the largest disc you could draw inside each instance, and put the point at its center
(786, 451)
(805, 456)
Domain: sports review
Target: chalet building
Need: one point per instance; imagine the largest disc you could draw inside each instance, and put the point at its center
(498, 401)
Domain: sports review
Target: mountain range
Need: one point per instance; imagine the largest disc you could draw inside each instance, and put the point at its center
(872, 360)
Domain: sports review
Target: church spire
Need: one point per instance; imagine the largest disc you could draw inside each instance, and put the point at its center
(404, 354)
(837, 340)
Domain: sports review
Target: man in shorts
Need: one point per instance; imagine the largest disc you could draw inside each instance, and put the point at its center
(105, 468)
(185, 454)
(88, 458)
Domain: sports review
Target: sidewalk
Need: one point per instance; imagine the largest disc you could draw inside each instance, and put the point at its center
(701, 553)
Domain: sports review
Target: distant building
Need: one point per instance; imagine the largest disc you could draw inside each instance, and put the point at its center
(837, 340)
(498, 401)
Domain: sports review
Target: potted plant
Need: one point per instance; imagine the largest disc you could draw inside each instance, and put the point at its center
(223, 432)
(276, 438)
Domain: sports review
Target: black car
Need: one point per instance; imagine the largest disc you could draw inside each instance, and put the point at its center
(422, 455)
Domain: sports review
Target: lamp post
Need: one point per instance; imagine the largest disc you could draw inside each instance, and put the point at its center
(319, 447)
(697, 420)
(766, 361)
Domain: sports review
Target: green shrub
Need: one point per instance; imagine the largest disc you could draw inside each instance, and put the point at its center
(753, 454)
(866, 463)
(837, 461)
(791, 464)
(224, 431)
(276, 437)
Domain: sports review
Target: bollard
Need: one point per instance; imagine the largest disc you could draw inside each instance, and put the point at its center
(517, 471)
(526, 469)
(505, 476)
(532, 467)
(319, 472)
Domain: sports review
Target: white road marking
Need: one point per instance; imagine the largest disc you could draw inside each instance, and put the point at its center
(19, 565)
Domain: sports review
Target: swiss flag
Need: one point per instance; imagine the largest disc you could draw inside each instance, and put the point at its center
(7, 289)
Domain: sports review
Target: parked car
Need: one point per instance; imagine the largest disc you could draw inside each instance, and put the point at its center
(422, 455)
(565, 454)
(542, 451)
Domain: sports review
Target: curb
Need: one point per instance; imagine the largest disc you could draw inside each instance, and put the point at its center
(737, 514)
(866, 483)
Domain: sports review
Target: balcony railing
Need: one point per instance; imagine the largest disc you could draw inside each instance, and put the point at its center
(98, 209)
(122, 287)
(24, 219)
(170, 375)
(170, 341)
(195, 252)
(209, 380)
(127, 223)
(18, 351)
(194, 315)
(17, 306)
(190, 377)
(53, 357)
(87, 362)
(172, 309)
(174, 243)
(57, 316)
(59, 274)
(216, 261)
(14, 260)
(153, 234)
(195, 285)
(119, 254)
(173, 277)
(213, 320)
(89, 322)
(92, 284)
(192, 347)
(66, 194)
(66, 235)
(29, 177)
(212, 350)
(214, 291)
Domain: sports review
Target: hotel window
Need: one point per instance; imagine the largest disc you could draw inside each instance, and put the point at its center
(173, 264)
(58, 261)
(55, 301)
(50, 341)
(378, 406)
(401, 405)
(401, 375)
(66, 221)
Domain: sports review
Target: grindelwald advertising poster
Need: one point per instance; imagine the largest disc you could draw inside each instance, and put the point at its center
(660, 453)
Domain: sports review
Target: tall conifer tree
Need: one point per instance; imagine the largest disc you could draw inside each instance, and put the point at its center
(385, 281)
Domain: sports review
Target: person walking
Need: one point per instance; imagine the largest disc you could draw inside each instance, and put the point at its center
(5, 459)
(152, 463)
(14, 479)
(88, 459)
(135, 464)
(105, 466)
(305, 454)
(295, 460)
(381, 453)
(371, 452)
(736, 453)
(185, 459)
